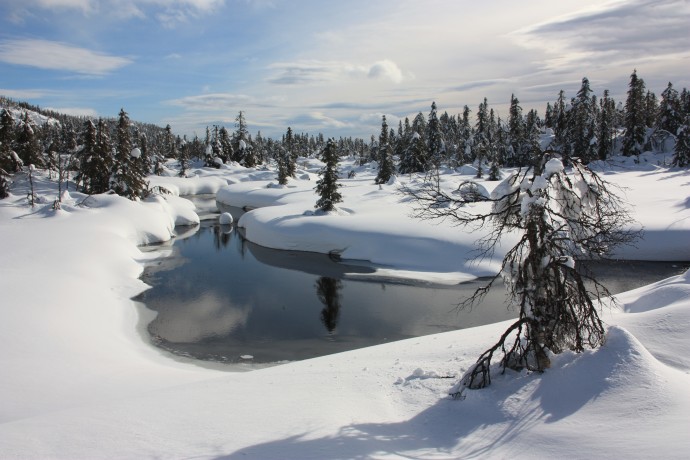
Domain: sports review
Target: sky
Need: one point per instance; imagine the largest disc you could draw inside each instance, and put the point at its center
(329, 67)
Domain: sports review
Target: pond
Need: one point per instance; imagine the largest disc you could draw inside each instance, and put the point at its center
(221, 298)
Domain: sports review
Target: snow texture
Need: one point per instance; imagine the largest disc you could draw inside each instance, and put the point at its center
(80, 380)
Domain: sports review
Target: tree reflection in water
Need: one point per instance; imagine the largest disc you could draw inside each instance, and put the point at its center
(328, 292)
(222, 234)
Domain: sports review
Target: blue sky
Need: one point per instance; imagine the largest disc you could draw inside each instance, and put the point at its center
(330, 67)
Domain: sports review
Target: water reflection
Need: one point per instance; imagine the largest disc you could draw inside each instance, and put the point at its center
(222, 234)
(219, 297)
(328, 292)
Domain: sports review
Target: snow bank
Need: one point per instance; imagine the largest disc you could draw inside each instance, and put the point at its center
(374, 225)
(68, 331)
(79, 381)
(194, 185)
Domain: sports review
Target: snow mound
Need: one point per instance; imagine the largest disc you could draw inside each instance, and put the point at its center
(668, 292)
(225, 218)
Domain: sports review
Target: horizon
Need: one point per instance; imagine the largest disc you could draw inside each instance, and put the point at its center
(329, 68)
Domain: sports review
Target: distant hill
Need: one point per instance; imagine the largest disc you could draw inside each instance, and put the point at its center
(40, 117)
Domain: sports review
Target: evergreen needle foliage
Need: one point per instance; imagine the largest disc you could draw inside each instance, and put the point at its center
(327, 186)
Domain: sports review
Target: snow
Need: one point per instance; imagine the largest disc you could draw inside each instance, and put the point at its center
(553, 166)
(80, 380)
(135, 153)
(225, 218)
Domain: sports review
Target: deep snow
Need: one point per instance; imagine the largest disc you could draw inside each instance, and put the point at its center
(79, 379)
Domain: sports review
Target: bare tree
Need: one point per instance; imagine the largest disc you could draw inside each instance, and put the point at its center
(561, 217)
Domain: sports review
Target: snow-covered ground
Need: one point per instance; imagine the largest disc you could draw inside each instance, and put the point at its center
(78, 378)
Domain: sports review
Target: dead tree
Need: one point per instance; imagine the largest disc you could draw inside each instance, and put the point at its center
(561, 217)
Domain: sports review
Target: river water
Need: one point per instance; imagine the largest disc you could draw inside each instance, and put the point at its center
(221, 298)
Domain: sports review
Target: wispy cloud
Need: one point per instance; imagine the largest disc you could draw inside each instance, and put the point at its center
(215, 101)
(611, 32)
(386, 69)
(24, 93)
(315, 71)
(45, 54)
(477, 84)
(75, 111)
(319, 120)
(168, 12)
(302, 72)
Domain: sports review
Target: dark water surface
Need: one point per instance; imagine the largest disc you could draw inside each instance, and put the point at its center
(221, 298)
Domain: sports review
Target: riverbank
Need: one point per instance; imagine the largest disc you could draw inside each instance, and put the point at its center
(79, 382)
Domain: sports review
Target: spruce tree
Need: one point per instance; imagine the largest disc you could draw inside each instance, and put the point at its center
(327, 186)
(127, 178)
(651, 109)
(532, 140)
(419, 127)
(240, 142)
(516, 128)
(183, 155)
(29, 148)
(684, 103)
(144, 162)
(561, 138)
(9, 161)
(213, 149)
(291, 153)
(401, 142)
(386, 167)
(104, 154)
(95, 159)
(465, 136)
(605, 128)
(482, 136)
(415, 158)
(4, 184)
(283, 160)
(85, 156)
(669, 117)
(434, 138)
(583, 123)
(635, 130)
(548, 116)
(681, 156)
(169, 148)
(223, 148)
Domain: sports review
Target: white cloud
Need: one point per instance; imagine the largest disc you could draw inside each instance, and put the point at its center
(75, 111)
(168, 12)
(319, 120)
(374, 119)
(386, 69)
(84, 5)
(314, 71)
(23, 94)
(45, 54)
(212, 316)
(214, 101)
(304, 71)
(610, 32)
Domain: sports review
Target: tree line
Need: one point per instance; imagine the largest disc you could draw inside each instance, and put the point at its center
(117, 154)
